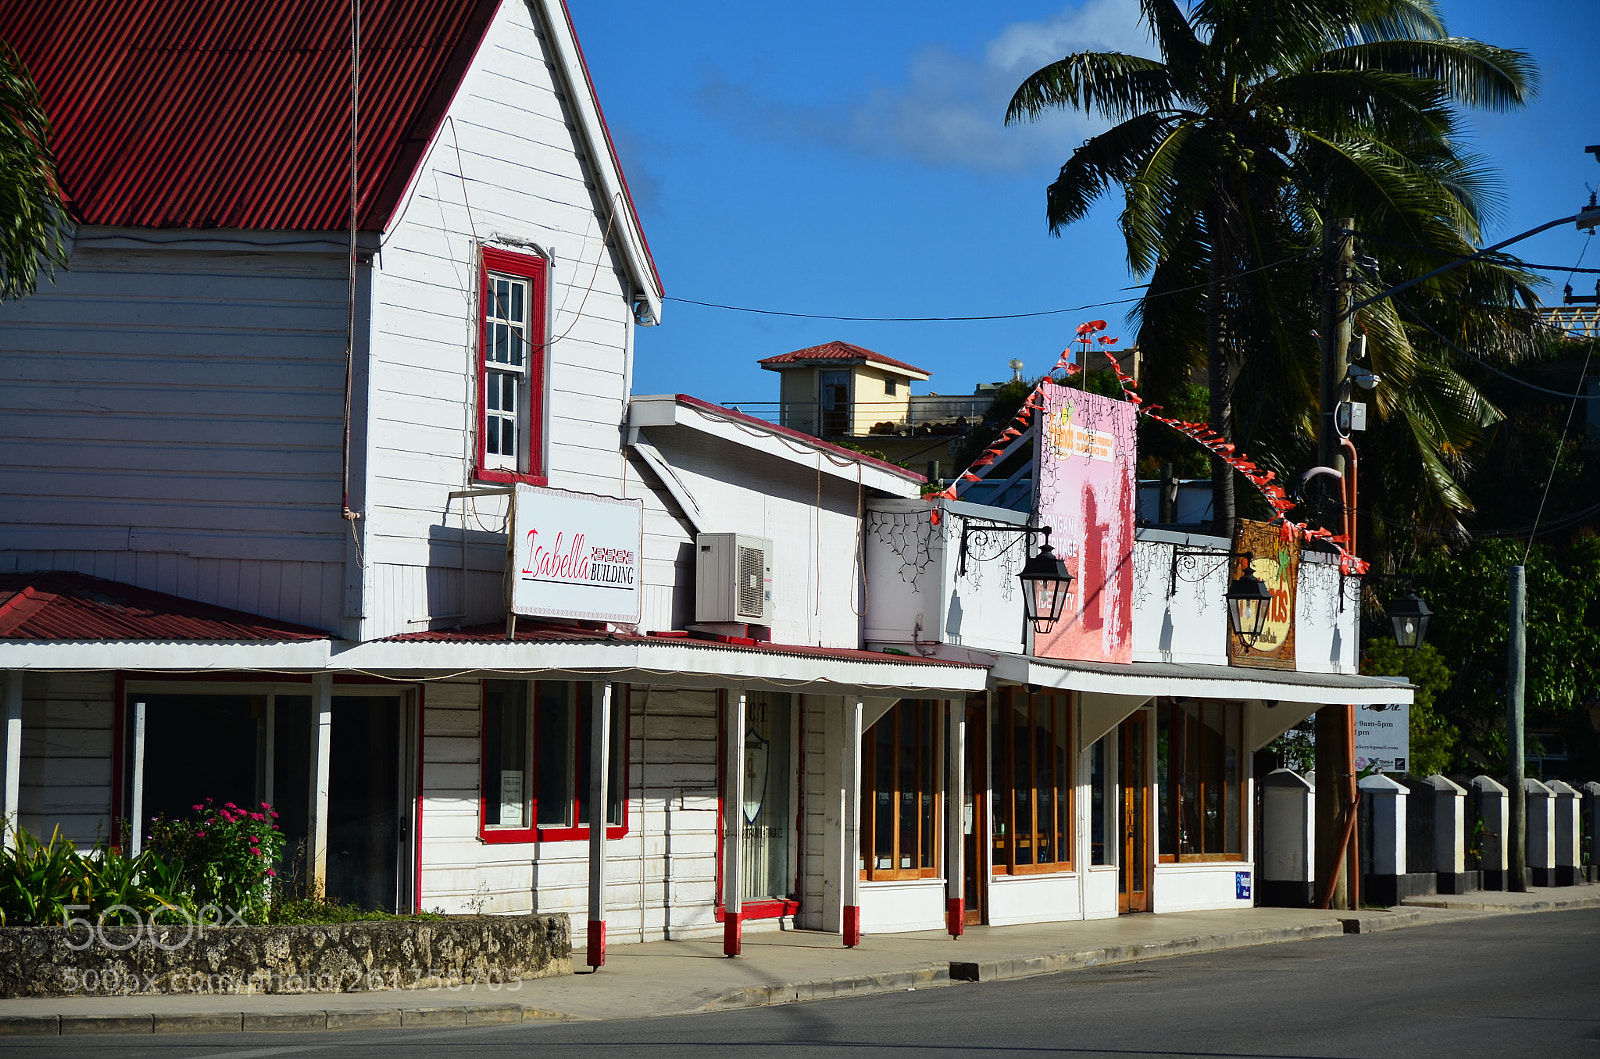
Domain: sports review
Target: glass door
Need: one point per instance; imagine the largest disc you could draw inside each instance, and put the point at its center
(1133, 875)
(835, 397)
(767, 818)
(975, 778)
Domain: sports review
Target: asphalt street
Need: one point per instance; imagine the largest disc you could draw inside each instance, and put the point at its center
(1524, 985)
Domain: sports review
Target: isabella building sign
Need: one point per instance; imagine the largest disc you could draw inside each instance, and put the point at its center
(573, 555)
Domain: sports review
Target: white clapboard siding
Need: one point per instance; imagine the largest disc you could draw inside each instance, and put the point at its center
(661, 875)
(184, 404)
(505, 170)
(740, 491)
(66, 756)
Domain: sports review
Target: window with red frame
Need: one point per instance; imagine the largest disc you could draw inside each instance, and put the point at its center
(536, 760)
(511, 347)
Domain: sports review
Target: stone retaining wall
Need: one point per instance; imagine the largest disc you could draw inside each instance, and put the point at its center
(326, 958)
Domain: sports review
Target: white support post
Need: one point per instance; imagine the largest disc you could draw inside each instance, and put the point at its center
(954, 808)
(321, 747)
(599, 768)
(851, 774)
(733, 825)
(136, 810)
(13, 763)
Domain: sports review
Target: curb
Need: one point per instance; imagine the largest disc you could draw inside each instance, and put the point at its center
(1553, 904)
(829, 988)
(1374, 923)
(447, 1017)
(1028, 966)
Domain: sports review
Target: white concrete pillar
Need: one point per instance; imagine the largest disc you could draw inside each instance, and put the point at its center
(1589, 842)
(599, 769)
(321, 748)
(11, 788)
(1494, 812)
(733, 825)
(1449, 831)
(1388, 801)
(955, 841)
(1541, 844)
(850, 768)
(1288, 834)
(1568, 844)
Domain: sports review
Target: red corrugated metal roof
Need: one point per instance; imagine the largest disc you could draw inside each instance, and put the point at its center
(543, 632)
(62, 605)
(236, 113)
(841, 352)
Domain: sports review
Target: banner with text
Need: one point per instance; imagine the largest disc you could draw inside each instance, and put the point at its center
(1085, 493)
(574, 555)
(1383, 737)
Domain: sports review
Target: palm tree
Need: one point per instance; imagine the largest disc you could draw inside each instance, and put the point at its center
(33, 219)
(1261, 122)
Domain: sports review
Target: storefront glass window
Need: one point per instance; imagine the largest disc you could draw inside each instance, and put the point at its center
(900, 792)
(1200, 766)
(1033, 792)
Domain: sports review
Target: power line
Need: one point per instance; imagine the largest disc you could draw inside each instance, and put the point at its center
(968, 319)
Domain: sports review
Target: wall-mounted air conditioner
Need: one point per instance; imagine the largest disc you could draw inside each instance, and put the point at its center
(733, 578)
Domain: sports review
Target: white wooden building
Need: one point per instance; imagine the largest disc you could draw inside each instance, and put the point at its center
(259, 512)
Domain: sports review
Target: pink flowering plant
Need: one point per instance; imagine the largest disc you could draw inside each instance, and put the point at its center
(229, 854)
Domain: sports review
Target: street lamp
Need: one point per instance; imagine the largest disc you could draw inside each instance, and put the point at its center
(1045, 582)
(1249, 603)
(1409, 616)
(1044, 576)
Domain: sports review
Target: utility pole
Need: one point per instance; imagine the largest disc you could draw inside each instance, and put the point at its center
(1335, 753)
(1516, 679)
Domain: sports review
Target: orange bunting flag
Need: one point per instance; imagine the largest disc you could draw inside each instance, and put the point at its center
(970, 477)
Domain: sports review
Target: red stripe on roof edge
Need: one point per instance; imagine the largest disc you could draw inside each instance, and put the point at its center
(790, 432)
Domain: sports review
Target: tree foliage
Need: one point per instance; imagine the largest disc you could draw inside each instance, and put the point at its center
(34, 225)
(1261, 121)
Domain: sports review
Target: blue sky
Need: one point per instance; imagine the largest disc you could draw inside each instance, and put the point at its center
(852, 161)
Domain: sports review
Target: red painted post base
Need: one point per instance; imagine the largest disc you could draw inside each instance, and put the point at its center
(956, 916)
(597, 943)
(732, 934)
(852, 926)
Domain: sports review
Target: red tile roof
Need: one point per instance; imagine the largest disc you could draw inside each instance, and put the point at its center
(543, 632)
(236, 113)
(62, 605)
(837, 353)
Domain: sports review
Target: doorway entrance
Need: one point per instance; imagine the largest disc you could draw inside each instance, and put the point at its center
(1133, 817)
(974, 813)
(834, 395)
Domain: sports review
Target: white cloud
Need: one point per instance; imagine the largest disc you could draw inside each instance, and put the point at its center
(949, 112)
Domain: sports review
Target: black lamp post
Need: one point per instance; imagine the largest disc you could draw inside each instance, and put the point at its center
(1045, 582)
(1249, 603)
(1409, 616)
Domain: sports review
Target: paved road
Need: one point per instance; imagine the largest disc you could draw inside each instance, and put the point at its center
(1526, 985)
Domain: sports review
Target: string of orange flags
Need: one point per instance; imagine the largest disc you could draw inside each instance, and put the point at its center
(1200, 433)
(1261, 478)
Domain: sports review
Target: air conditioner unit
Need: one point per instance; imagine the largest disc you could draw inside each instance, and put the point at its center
(733, 578)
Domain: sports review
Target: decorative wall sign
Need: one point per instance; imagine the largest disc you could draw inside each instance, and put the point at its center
(574, 555)
(1085, 492)
(1277, 564)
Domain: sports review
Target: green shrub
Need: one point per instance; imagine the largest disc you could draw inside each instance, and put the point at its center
(38, 880)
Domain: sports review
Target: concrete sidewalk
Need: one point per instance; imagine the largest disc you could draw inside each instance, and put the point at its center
(680, 977)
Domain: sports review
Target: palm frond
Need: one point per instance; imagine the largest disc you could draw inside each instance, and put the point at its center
(1115, 85)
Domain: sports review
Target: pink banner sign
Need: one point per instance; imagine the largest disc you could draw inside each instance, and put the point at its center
(1085, 492)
